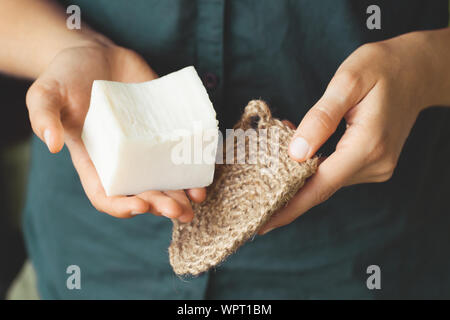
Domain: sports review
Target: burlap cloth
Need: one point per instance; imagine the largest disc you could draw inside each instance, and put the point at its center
(242, 197)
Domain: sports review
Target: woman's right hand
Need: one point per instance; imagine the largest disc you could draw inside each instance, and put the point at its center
(58, 102)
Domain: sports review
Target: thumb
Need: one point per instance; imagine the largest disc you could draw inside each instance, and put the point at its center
(44, 104)
(320, 122)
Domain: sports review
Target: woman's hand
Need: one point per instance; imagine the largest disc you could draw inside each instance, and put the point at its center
(58, 102)
(379, 90)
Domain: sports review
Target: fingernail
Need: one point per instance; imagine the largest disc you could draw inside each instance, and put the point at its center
(267, 231)
(47, 137)
(299, 148)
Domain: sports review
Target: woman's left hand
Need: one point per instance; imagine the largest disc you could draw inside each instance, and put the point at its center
(379, 90)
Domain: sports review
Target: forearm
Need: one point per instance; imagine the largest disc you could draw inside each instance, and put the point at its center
(440, 57)
(433, 68)
(32, 32)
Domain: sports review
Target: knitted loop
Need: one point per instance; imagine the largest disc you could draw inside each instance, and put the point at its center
(256, 115)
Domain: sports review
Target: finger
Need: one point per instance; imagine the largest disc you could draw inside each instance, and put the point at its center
(345, 90)
(44, 103)
(197, 194)
(182, 199)
(117, 206)
(332, 174)
(161, 204)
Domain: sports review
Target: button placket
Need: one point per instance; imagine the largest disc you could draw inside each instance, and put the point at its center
(209, 44)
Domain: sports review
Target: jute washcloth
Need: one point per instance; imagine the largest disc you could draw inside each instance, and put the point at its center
(243, 196)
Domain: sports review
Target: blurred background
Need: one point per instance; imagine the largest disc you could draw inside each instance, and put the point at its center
(15, 131)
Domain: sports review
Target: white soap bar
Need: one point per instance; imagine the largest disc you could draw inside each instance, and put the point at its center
(156, 135)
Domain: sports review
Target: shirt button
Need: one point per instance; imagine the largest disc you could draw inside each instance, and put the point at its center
(210, 80)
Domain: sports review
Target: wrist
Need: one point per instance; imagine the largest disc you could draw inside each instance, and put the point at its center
(432, 67)
(75, 39)
(419, 69)
(89, 38)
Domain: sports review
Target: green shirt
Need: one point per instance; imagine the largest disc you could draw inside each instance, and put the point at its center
(284, 52)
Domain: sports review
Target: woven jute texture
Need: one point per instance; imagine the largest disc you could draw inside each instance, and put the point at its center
(244, 194)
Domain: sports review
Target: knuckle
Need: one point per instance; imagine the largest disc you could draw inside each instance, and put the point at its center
(379, 48)
(323, 117)
(349, 79)
(38, 91)
(366, 48)
(350, 84)
(382, 51)
(127, 52)
(124, 50)
(346, 87)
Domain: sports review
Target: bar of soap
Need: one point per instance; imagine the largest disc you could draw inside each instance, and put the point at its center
(156, 135)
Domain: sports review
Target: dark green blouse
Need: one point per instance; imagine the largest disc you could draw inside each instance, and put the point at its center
(284, 52)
